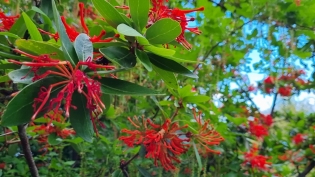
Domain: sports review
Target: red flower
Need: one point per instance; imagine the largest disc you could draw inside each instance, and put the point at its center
(6, 22)
(285, 91)
(2, 165)
(206, 136)
(258, 130)
(251, 88)
(256, 161)
(162, 142)
(269, 80)
(73, 33)
(160, 11)
(266, 119)
(74, 80)
(298, 138)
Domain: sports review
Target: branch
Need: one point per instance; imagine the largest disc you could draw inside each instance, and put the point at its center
(124, 164)
(307, 169)
(274, 104)
(27, 151)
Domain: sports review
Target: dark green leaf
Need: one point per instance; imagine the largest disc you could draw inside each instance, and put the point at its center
(120, 87)
(9, 66)
(11, 56)
(40, 48)
(80, 117)
(84, 48)
(19, 110)
(163, 31)
(139, 10)
(106, 99)
(4, 78)
(53, 139)
(170, 65)
(66, 44)
(19, 26)
(168, 77)
(144, 172)
(143, 57)
(127, 30)
(119, 55)
(46, 19)
(110, 14)
(31, 27)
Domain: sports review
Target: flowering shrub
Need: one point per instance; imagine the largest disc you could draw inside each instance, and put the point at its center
(154, 88)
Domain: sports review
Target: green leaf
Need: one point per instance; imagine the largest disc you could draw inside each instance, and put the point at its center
(84, 48)
(110, 14)
(106, 99)
(9, 66)
(168, 77)
(143, 57)
(11, 56)
(159, 51)
(170, 65)
(40, 48)
(197, 156)
(46, 19)
(19, 26)
(102, 73)
(127, 30)
(23, 76)
(120, 87)
(163, 31)
(144, 172)
(53, 139)
(19, 110)
(80, 117)
(139, 10)
(178, 59)
(9, 35)
(66, 44)
(196, 99)
(4, 78)
(119, 55)
(31, 27)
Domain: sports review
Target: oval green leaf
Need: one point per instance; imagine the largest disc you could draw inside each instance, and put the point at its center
(66, 44)
(40, 48)
(127, 30)
(119, 55)
(168, 77)
(31, 27)
(143, 57)
(80, 117)
(84, 48)
(163, 31)
(160, 51)
(19, 110)
(111, 15)
(120, 87)
(139, 10)
(170, 65)
(196, 99)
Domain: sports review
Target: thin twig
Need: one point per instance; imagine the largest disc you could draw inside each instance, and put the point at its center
(124, 164)
(27, 151)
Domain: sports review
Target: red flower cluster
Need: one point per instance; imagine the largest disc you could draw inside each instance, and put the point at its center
(74, 80)
(259, 127)
(162, 142)
(206, 135)
(166, 142)
(298, 138)
(73, 33)
(6, 22)
(255, 160)
(286, 82)
(160, 11)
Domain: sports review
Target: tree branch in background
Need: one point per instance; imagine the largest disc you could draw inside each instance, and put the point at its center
(307, 169)
(124, 164)
(274, 104)
(27, 151)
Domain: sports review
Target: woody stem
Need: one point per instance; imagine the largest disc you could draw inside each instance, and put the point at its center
(27, 151)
